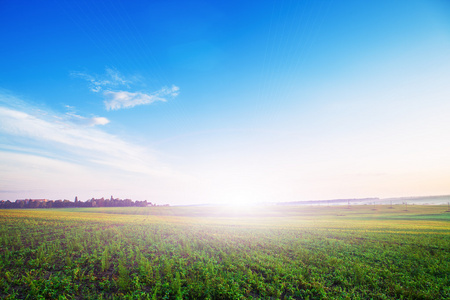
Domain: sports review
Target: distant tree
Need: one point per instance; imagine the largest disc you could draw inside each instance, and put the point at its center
(101, 202)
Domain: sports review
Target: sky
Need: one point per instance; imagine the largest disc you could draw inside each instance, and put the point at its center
(190, 102)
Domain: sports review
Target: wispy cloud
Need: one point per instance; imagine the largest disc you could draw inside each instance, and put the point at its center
(119, 92)
(92, 121)
(72, 116)
(97, 83)
(122, 99)
(68, 136)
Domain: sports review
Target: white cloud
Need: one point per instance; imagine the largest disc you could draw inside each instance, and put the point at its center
(117, 90)
(122, 99)
(75, 141)
(93, 121)
(116, 77)
(98, 121)
(97, 83)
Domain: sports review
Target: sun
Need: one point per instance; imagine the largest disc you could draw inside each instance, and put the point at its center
(240, 199)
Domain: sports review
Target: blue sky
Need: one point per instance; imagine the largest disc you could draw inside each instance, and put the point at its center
(194, 102)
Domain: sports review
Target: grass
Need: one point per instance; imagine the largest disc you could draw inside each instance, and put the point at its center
(267, 252)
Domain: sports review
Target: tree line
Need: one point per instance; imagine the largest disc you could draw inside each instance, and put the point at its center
(102, 202)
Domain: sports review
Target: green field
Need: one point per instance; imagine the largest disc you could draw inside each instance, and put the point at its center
(268, 252)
